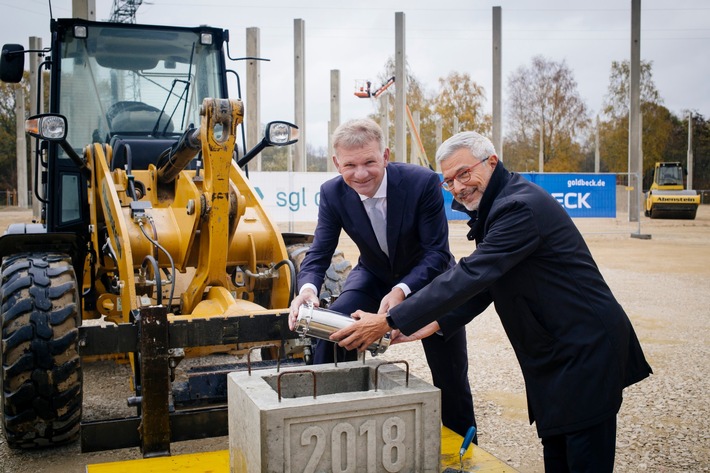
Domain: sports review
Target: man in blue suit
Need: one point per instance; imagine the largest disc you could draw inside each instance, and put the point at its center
(412, 251)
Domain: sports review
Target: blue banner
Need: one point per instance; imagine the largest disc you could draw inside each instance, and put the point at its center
(581, 195)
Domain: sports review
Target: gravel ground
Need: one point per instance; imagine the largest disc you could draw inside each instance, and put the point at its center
(664, 422)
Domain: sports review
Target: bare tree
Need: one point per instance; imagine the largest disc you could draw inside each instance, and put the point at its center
(544, 97)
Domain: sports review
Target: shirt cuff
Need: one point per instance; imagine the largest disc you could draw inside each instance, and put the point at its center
(308, 286)
(403, 287)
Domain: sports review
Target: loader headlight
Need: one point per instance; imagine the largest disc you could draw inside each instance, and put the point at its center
(281, 133)
(47, 126)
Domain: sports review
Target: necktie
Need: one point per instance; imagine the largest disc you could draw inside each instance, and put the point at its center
(377, 219)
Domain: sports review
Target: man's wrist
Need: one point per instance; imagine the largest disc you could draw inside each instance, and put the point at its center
(390, 321)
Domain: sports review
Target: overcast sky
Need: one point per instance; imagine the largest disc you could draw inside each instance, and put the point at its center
(357, 37)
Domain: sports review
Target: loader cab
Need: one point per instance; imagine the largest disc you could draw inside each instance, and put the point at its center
(127, 85)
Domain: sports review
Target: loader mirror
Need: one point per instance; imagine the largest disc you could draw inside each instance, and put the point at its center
(276, 134)
(47, 126)
(12, 63)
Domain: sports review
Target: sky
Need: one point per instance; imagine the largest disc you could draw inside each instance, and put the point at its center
(442, 36)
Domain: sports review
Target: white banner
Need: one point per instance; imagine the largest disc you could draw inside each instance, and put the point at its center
(290, 197)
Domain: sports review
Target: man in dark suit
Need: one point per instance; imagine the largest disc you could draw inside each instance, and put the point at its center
(574, 342)
(412, 250)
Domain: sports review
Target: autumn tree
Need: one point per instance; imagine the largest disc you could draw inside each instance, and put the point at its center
(543, 97)
(461, 97)
(458, 96)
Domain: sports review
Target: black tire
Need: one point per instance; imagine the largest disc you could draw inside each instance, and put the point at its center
(41, 369)
(335, 275)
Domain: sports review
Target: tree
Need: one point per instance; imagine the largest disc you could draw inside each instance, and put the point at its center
(656, 120)
(460, 96)
(544, 97)
(8, 132)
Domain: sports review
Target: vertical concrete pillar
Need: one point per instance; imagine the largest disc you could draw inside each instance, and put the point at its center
(299, 62)
(21, 147)
(253, 92)
(597, 152)
(439, 140)
(385, 118)
(35, 43)
(497, 89)
(85, 9)
(334, 115)
(541, 150)
(690, 150)
(635, 161)
(400, 73)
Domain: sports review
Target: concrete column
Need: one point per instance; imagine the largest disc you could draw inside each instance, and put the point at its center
(253, 92)
(635, 161)
(597, 153)
(85, 9)
(334, 115)
(690, 150)
(439, 140)
(35, 43)
(21, 147)
(497, 89)
(400, 73)
(385, 118)
(541, 150)
(299, 62)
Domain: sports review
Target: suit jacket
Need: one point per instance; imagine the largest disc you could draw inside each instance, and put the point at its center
(574, 342)
(417, 232)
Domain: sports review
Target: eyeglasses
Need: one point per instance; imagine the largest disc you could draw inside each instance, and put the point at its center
(463, 177)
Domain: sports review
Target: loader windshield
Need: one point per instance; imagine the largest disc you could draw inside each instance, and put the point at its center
(130, 80)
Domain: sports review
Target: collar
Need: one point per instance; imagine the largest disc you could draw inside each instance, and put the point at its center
(381, 191)
(498, 180)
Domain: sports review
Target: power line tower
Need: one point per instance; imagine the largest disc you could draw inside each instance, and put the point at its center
(124, 11)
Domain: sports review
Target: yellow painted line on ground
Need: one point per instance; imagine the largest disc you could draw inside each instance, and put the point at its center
(476, 459)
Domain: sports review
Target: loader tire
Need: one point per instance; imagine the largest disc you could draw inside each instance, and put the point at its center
(335, 275)
(41, 382)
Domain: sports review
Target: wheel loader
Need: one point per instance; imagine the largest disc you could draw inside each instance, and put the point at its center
(667, 197)
(152, 246)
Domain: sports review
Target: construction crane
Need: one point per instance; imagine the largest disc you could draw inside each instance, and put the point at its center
(124, 11)
(365, 92)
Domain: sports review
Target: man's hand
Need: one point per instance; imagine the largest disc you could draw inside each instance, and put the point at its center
(306, 296)
(394, 297)
(367, 329)
(399, 337)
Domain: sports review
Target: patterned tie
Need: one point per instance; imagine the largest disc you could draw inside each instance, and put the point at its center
(377, 219)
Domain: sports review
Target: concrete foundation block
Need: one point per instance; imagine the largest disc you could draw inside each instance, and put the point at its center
(348, 427)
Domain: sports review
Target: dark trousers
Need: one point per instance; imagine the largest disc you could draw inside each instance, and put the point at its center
(589, 450)
(447, 359)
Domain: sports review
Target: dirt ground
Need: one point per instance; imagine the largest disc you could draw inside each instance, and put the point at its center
(663, 426)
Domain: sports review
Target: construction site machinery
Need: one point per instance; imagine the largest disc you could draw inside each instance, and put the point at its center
(152, 245)
(667, 197)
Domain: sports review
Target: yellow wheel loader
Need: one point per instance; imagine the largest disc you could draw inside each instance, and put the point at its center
(149, 226)
(667, 197)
